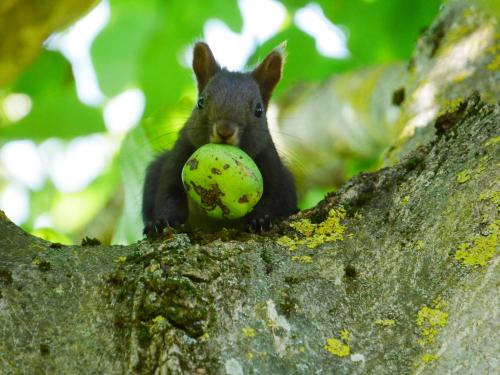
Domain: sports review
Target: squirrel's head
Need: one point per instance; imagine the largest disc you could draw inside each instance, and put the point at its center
(232, 106)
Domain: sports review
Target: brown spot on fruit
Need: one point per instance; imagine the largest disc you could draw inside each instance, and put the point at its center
(226, 166)
(243, 199)
(224, 209)
(216, 171)
(193, 163)
(211, 198)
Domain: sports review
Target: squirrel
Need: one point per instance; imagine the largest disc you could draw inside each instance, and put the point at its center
(231, 109)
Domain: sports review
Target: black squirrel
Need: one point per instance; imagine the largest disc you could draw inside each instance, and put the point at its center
(231, 109)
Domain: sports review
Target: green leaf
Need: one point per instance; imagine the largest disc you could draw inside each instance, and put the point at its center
(56, 110)
(161, 74)
(381, 31)
(144, 43)
(162, 77)
(377, 32)
(50, 71)
(117, 50)
(299, 68)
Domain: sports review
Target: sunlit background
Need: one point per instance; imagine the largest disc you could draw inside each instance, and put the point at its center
(79, 125)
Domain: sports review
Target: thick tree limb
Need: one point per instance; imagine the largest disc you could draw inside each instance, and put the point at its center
(394, 273)
(249, 303)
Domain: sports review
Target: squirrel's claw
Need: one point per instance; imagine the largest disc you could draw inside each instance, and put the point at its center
(259, 225)
(154, 229)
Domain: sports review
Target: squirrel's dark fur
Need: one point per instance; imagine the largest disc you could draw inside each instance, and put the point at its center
(231, 109)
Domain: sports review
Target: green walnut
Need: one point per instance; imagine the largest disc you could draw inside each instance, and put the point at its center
(223, 180)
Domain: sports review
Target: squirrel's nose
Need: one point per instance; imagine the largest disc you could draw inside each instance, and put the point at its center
(225, 129)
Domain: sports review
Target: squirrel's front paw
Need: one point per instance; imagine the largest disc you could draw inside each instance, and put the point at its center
(173, 214)
(259, 224)
(154, 229)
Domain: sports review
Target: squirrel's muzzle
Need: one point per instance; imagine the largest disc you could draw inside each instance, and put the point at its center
(224, 131)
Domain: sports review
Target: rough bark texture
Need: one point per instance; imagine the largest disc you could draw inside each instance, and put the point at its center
(395, 273)
(24, 26)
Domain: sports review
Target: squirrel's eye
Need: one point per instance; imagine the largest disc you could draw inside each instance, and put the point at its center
(201, 102)
(259, 110)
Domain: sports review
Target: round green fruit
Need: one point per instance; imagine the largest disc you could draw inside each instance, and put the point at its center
(223, 180)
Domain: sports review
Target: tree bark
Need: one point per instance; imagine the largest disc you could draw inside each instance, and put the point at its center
(394, 273)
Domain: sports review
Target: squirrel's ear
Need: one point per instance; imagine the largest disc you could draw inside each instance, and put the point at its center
(268, 73)
(204, 64)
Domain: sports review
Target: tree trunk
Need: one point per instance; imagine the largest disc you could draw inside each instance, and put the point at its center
(397, 272)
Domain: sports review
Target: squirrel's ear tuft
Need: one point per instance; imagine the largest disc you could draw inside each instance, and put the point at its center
(268, 73)
(204, 64)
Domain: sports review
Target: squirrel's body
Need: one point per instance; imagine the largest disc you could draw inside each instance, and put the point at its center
(231, 109)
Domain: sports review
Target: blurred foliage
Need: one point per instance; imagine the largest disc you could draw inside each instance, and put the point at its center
(340, 127)
(56, 112)
(25, 24)
(143, 45)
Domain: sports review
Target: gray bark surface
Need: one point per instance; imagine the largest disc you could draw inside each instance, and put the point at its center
(401, 277)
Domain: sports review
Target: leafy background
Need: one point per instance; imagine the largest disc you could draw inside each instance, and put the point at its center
(143, 46)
